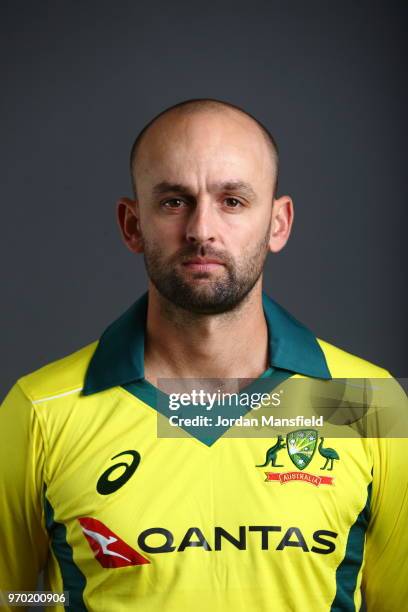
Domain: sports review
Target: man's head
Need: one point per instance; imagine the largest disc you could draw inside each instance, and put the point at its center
(195, 106)
(204, 175)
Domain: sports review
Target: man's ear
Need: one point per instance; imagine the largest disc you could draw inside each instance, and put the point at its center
(281, 225)
(127, 215)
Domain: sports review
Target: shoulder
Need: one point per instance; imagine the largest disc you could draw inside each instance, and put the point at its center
(63, 376)
(346, 365)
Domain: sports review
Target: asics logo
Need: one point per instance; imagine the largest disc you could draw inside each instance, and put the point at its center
(105, 485)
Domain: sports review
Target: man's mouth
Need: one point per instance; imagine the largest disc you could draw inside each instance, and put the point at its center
(202, 264)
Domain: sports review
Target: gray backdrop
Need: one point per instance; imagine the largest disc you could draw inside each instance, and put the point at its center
(80, 79)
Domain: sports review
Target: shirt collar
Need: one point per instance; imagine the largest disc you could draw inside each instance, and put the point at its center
(119, 355)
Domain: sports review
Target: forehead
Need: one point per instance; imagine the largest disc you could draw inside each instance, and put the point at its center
(205, 144)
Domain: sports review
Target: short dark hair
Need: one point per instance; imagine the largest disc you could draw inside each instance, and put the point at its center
(197, 104)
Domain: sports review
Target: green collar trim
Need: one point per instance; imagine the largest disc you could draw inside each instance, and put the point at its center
(119, 356)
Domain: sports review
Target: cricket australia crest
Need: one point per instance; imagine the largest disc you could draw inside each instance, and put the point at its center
(301, 445)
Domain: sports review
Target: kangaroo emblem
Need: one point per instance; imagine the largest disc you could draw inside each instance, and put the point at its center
(272, 453)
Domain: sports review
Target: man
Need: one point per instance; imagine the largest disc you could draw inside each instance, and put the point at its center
(124, 519)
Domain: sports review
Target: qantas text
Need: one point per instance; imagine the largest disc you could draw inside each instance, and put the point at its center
(266, 537)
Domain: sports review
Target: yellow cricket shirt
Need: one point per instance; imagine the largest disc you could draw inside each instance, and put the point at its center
(125, 520)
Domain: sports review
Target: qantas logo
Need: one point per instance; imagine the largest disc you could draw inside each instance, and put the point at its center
(108, 548)
(111, 551)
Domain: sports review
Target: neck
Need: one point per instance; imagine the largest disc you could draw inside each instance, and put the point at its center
(181, 344)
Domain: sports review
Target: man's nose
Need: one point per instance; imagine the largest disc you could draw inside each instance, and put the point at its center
(201, 223)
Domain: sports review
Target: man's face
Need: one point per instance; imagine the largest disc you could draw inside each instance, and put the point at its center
(205, 184)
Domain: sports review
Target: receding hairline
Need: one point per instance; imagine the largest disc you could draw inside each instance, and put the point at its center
(196, 105)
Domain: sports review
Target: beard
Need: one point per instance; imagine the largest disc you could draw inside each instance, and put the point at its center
(222, 292)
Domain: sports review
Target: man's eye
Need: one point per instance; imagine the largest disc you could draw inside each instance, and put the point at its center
(233, 202)
(174, 203)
